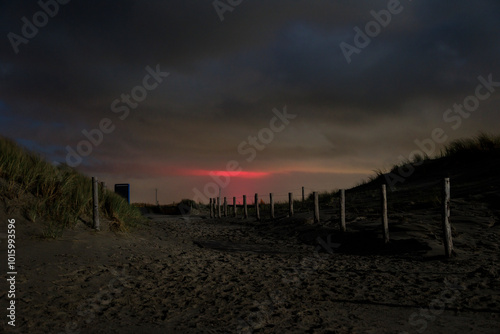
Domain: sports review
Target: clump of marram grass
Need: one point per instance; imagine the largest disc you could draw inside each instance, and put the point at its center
(52, 230)
(482, 143)
(121, 214)
(62, 196)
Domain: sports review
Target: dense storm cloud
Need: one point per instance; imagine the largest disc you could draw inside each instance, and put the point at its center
(68, 65)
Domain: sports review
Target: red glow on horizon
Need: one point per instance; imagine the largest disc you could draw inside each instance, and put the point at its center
(242, 174)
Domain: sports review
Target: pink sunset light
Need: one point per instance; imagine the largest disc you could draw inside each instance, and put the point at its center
(240, 174)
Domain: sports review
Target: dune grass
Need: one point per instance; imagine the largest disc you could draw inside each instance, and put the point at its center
(60, 196)
(483, 145)
(480, 144)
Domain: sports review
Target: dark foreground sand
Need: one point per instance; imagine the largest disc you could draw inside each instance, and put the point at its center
(178, 275)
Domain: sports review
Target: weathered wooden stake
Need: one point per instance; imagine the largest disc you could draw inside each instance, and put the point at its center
(290, 204)
(95, 203)
(257, 209)
(342, 210)
(385, 220)
(245, 208)
(271, 204)
(219, 204)
(218, 208)
(235, 214)
(214, 203)
(447, 237)
(316, 207)
(303, 195)
(211, 208)
(225, 207)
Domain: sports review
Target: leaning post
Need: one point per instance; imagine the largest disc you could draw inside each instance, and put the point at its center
(385, 220)
(447, 237)
(342, 210)
(95, 203)
(316, 207)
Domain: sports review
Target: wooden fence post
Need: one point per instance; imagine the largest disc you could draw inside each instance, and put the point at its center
(234, 208)
(214, 203)
(211, 208)
(316, 207)
(303, 195)
(95, 203)
(245, 208)
(385, 220)
(218, 207)
(271, 204)
(225, 207)
(447, 237)
(290, 204)
(257, 210)
(342, 210)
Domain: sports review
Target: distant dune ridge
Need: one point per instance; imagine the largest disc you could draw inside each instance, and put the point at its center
(166, 273)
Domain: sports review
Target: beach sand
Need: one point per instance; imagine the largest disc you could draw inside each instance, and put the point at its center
(199, 275)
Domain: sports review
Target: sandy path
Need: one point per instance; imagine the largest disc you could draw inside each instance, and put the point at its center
(168, 278)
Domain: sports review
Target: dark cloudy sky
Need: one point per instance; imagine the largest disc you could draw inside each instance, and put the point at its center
(226, 77)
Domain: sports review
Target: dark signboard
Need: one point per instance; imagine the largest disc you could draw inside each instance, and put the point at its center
(123, 189)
